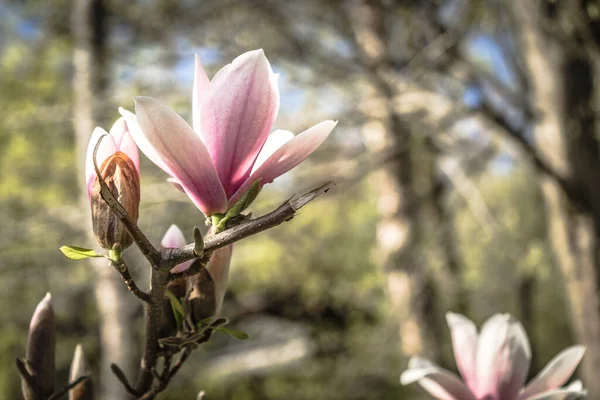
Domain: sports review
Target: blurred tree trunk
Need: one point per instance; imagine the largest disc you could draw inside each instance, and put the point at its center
(444, 231)
(561, 59)
(88, 22)
(400, 250)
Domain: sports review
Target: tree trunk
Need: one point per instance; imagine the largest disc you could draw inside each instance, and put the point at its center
(88, 22)
(561, 78)
(411, 287)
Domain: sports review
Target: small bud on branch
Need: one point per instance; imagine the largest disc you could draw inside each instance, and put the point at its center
(121, 177)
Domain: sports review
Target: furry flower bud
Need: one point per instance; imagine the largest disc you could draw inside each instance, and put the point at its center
(123, 180)
(40, 350)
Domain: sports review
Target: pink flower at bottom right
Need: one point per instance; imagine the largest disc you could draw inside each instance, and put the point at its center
(494, 365)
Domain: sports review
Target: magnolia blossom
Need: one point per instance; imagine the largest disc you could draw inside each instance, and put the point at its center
(494, 365)
(230, 146)
(118, 139)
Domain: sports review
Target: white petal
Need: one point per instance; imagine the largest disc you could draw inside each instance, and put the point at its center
(556, 372)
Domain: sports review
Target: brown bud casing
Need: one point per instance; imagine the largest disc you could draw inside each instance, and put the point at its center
(123, 180)
(202, 299)
(207, 289)
(79, 367)
(40, 350)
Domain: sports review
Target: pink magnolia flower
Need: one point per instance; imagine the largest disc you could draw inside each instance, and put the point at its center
(229, 147)
(494, 365)
(118, 139)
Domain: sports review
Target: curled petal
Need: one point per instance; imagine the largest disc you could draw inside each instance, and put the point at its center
(288, 156)
(183, 152)
(124, 141)
(218, 268)
(142, 142)
(464, 344)
(107, 147)
(572, 392)
(440, 383)
(503, 356)
(556, 372)
(237, 114)
(275, 140)
(175, 183)
(200, 89)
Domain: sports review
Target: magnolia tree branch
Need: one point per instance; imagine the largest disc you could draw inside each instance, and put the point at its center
(147, 385)
(121, 267)
(283, 213)
(164, 260)
(172, 256)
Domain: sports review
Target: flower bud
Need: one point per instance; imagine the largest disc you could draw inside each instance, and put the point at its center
(40, 350)
(79, 367)
(123, 180)
(209, 286)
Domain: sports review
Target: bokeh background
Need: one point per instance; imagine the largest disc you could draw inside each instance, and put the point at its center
(466, 163)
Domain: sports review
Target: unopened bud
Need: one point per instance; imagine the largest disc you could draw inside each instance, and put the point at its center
(40, 351)
(209, 286)
(167, 326)
(202, 300)
(79, 367)
(123, 180)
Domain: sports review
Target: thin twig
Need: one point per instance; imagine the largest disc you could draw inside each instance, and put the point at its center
(145, 246)
(123, 379)
(184, 356)
(66, 389)
(162, 262)
(164, 381)
(121, 267)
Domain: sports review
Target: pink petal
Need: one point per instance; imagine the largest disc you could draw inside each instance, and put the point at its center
(556, 372)
(440, 383)
(572, 392)
(218, 268)
(464, 344)
(173, 237)
(275, 140)
(107, 148)
(142, 142)
(503, 356)
(183, 152)
(43, 312)
(288, 156)
(175, 183)
(200, 89)
(124, 141)
(237, 114)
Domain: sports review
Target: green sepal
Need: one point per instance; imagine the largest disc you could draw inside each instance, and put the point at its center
(177, 307)
(244, 201)
(239, 206)
(234, 333)
(116, 254)
(79, 253)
